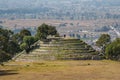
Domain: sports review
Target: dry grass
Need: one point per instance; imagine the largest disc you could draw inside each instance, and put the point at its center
(61, 70)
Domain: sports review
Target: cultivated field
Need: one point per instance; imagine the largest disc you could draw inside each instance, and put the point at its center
(61, 70)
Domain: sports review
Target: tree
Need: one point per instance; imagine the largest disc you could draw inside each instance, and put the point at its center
(17, 38)
(8, 46)
(3, 42)
(13, 47)
(4, 56)
(5, 38)
(103, 41)
(45, 30)
(25, 32)
(29, 40)
(113, 50)
(23, 46)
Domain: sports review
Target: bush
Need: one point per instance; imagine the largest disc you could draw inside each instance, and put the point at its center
(113, 50)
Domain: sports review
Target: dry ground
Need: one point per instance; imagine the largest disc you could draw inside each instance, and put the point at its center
(20, 23)
(87, 25)
(61, 70)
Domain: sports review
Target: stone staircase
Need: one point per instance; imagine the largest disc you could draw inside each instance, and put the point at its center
(65, 49)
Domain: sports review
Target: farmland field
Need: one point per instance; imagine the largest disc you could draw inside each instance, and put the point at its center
(61, 70)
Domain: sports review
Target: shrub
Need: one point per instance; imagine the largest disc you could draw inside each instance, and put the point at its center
(113, 50)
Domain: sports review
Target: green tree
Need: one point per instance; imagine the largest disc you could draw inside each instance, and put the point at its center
(23, 46)
(7, 45)
(5, 38)
(4, 56)
(29, 40)
(13, 47)
(113, 50)
(25, 32)
(45, 30)
(17, 38)
(103, 40)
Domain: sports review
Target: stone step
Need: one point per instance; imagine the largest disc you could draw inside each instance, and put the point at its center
(70, 48)
(50, 45)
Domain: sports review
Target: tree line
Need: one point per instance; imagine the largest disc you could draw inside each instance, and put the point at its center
(11, 43)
